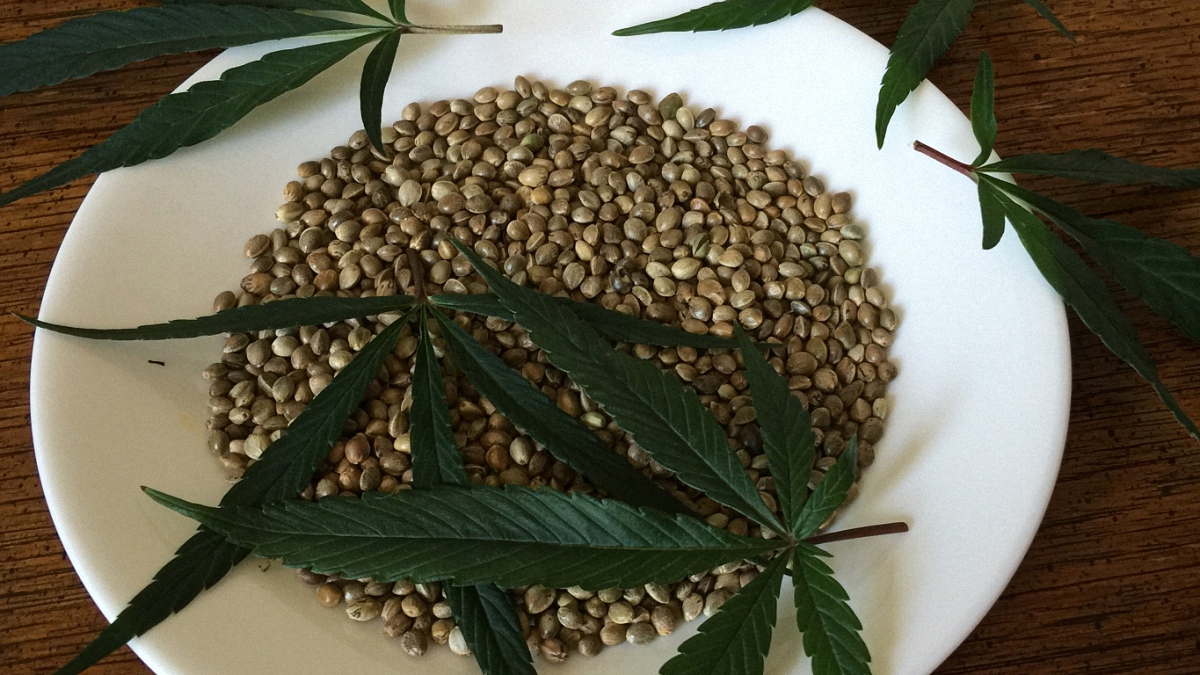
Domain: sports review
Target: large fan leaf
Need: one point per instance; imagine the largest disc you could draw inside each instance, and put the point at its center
(1094, 166)
(109, 40)
(248, 319)
(786, 428)
(736, 639)
(724, 15)
(830, 628)
(666, 420)
(1085, 293)
(931, 27)
(564, 436)
(198, 114)
(512, 536)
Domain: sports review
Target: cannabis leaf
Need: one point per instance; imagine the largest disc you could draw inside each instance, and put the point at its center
(1165, 275)
(736, 639)
(1048, 15)
(248, 319)
(612, 325)
(830, 493)
(983, 113)
(376, 71)
(724, 15)
(435, 456)
(109, 40)
(398, 11)
(564, 436)
(1094, 166)
(187, 118)
(665, 419)
(1085, 293)
(284, 470)
(484, 612)
(928, 31)
(491, 628)
(786, 429)
(349, 6)
(823, 615)
(512, 536)
(992, 212)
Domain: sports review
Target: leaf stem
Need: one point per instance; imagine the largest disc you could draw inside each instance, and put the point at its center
(452, 30)
(858, 533)
(965, 169)
(418, 275)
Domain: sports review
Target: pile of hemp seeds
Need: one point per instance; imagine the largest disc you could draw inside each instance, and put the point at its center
(651, 209)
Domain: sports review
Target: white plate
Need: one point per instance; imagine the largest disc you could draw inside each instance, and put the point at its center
(979, 410)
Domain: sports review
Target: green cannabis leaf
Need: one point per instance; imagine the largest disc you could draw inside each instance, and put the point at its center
(786, 429)
(110, 40)
(983, 113)
(823, 615)
(484, 612)
(435, 456)
(376, 71)
(931, 27)
(736, 639)
(248, 319)
(198, 114)
(284, 470)
(492, 630)
(1094, 166)
(512, 536)
(398, 11)
(612, 325)
(665, 419)
(725, 15)
(830, 493)
(1041, 8)
(1161, 273)
(349, 6)
(564, 436)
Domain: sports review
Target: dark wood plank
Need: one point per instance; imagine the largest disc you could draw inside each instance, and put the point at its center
(1112, 582)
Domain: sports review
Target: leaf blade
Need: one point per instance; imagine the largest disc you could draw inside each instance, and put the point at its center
(1041, 8)
(788, 438)
(983, 112)
(110, 40)
(248, 319)
(376, 71)
(830, 493)
(735, 641)
(645, 402)
(1164, 275)
(1094, 166)
(489, 623)
(564, 436)
(725, 15)
(399, 13)
(1085, 293)
(435, 456)
(188, 118)
(349, 6)
(992, 212)
(512, 536)
(824, 617)
(928, 31)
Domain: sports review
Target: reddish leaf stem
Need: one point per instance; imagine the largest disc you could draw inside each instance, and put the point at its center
(858, 533)
(964, 169)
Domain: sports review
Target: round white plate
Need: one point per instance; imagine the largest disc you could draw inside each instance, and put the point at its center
(979, 410)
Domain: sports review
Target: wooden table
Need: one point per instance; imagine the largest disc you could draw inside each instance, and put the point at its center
(1112, 582)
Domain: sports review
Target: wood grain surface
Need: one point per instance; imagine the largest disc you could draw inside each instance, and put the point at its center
(1112, 582)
